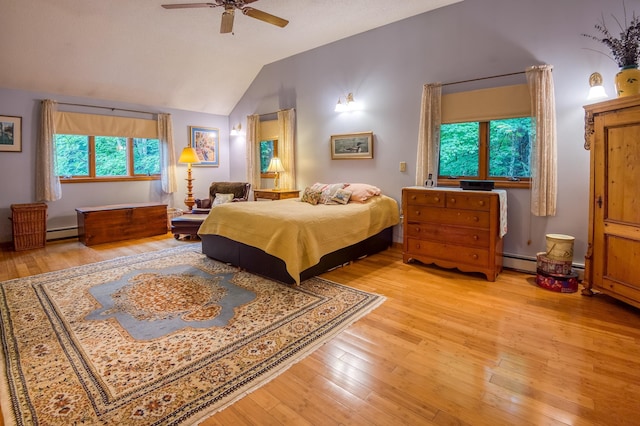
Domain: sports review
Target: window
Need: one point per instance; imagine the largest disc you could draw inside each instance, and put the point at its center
(486, 134)
(496, 150)
(268, 150)
(83, 158)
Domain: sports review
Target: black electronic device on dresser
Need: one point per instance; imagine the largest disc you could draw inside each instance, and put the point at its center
(477, 185)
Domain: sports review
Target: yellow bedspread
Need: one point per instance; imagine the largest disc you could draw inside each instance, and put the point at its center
(297, 232)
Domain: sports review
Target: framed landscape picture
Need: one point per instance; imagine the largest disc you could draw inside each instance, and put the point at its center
(205, 140)
(352, 146)
(10, 133)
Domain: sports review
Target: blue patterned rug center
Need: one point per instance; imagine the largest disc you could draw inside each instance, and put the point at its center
(152, 303)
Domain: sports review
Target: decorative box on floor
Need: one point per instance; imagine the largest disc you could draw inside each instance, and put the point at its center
(29, 225)
(559, 283)
(555, 275)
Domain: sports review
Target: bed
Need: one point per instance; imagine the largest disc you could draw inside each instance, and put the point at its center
(291, 240)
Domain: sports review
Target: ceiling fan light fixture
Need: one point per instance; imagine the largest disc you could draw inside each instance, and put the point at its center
(226, 25)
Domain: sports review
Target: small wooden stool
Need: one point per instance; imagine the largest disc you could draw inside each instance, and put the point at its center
(187, 224)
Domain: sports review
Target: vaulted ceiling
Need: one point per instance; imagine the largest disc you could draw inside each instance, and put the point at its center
(139, 52)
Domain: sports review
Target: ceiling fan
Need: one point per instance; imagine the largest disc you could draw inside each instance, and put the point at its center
(226, 25)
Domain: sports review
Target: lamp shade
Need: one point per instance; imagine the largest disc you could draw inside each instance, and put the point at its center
(189, 155)
(275, 166)
(596, 90)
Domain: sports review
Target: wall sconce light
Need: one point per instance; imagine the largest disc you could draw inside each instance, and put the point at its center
(275, 166)
(235, 131)
(596, 89)
(349, 104)
(189, 156)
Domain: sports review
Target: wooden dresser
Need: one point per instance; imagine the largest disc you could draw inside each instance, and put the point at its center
(116, 222)
(612, 263)
(453, 229)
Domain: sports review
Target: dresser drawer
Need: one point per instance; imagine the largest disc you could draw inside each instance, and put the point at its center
(467, 201)
(448, 252)
(426, 198)
(452, 234)
(472, 218)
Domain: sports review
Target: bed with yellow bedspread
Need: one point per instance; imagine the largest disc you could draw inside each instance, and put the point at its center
(297, 236)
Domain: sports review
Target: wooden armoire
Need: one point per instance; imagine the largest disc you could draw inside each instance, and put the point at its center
(612, 263)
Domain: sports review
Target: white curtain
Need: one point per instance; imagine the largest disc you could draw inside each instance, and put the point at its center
(167, 154)
(286, 147)
(429, 133)
(253, 151)
(544, 150)
(48, 186)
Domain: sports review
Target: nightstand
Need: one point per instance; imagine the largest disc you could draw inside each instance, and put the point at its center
(275, 194)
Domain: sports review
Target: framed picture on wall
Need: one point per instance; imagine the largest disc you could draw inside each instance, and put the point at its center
(205, 140)
(352, 146)
(10, 133)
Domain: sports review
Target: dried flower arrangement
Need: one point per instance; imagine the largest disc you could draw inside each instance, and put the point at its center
(625, 50)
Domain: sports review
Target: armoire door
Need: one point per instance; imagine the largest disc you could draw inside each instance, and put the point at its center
(616, 209)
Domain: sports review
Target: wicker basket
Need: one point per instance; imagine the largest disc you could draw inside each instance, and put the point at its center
(29, 225)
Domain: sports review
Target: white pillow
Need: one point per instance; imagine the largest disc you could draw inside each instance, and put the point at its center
(222, 198)
(361, 192)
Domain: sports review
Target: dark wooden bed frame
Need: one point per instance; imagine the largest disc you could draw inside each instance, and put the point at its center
(257, 261)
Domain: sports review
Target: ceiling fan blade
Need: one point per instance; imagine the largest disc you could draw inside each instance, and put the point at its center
(188, 5)
(264, 16)
(226, 25)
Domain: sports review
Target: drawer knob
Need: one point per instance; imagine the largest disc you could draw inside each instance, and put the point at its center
(453, 200)
(475, 237)
(413, 197)
(417, 212)
(436, 199)
(474, 257)
(481, 202)
(476, 218)
(417, 246)
(417, 229)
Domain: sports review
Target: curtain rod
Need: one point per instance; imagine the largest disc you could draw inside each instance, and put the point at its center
(274, 112)
(111, 108)
(484, 78)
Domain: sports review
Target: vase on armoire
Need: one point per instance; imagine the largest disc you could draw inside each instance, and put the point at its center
(628, 81)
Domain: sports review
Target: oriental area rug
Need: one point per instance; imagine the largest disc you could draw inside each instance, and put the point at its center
(161, 338)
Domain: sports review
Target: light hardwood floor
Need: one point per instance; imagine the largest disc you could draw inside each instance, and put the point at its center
(445, 348)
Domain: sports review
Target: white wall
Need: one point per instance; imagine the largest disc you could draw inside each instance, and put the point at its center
(17, 170)
(385, 69)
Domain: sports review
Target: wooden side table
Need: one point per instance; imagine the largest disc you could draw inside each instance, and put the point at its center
(275, 194)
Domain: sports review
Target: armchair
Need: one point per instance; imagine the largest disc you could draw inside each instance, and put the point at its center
(240, 191)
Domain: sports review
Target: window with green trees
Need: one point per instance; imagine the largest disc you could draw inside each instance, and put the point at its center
(495, 150)
(268, 150)
(83, 157)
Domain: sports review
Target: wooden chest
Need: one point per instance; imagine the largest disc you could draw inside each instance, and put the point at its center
(116, 222)
(453, 229)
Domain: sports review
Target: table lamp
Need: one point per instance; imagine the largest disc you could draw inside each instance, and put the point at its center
(275, 166)
(189, 156)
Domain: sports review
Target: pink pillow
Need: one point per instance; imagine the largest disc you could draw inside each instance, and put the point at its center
(361, 192)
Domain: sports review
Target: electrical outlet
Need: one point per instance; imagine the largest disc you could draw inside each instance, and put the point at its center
(403, 166)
